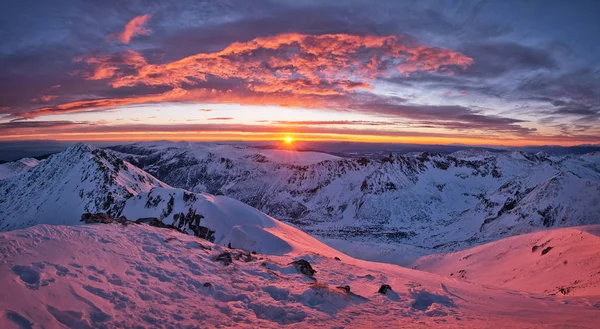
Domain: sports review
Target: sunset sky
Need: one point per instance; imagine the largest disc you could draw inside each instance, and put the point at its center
(431, 72)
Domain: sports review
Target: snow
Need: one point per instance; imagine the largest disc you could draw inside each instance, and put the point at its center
(107, 276)
(406, 210)
(234, 222)
(421, 200)
(66, 185)
(296, 157)
(571, 265)
(18, 167)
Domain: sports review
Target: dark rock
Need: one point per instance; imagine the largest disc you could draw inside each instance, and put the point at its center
(337, 258)
(201, 246)
(535, 248)
(303, 266)
(152, 221)
(207, 284)
(564, 290)
(203, 232)
(224, 258)
(384, 289)
(244, 255)
(546, 250)
(100, 218)
(345, 288)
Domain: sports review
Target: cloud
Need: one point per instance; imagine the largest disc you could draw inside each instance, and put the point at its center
(134, 28)
(333, 122)
(497, 58)
(205, 110)
(44, 99)
(89, 130)
(220, 119)
(293, 63)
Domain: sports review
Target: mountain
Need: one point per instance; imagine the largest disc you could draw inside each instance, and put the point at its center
(9, 169)
(232, 222)
(395, 209)
(59, 189)
(134, 276)
(561, 261)
(425, 200)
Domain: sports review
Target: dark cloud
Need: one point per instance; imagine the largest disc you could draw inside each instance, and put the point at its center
(519, 57)
(497, 58)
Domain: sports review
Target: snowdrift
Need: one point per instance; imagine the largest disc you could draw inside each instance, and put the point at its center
(134, 276)
(562, 261)
(233, 222)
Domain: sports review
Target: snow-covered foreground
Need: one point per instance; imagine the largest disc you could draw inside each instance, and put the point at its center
(562, 261)
(136, 276)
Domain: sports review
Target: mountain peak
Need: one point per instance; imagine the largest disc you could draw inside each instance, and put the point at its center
(80, 148)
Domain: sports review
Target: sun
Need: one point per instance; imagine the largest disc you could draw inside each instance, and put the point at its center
(288, 139)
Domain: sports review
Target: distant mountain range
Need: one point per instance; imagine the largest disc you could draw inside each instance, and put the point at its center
(431, 201)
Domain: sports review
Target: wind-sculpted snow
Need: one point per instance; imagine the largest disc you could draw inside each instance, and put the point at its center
(137, 276)
(428, 200)
(233, 223)
(66, 185)
(563, 261)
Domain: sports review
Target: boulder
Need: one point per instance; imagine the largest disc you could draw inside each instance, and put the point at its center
(303, 266)
(99, 218)
(384, 289)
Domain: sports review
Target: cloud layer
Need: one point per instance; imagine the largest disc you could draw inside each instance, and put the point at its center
(432, 67)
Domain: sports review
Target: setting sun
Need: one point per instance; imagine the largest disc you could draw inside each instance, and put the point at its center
(288, 140)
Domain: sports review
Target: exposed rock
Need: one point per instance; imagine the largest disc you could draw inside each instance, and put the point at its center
(384, 289)
(100, 218)
(546, 250)
(152, 221)
(303, 266)
(243, 255)
(224, 258)
(337, 258)
(345, 288)
(207, 284)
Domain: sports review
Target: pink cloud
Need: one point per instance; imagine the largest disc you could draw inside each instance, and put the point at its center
(331, 64)
(133, 28)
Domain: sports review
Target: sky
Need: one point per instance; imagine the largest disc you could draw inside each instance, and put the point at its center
(430, 72)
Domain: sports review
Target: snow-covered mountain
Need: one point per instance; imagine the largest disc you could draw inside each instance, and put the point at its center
(134, 276)
(63, 187)
(447, 201)
(14, 168)
(394, 209)
(251, 270)
(562, 261)
(232, 222)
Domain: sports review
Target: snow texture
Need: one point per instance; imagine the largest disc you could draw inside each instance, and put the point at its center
(137, 276)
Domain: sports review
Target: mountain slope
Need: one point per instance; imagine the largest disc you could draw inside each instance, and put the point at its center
(234, 223)
(425, 200)
(108, 276)
(62, 187)
(14, 168)
(562, 261)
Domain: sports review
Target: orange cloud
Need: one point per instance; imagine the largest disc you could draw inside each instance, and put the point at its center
(294, 63)
(109, 66)
(43, 98)
(133, 28)
(194, 95)
(66, 130)
(220, 118)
